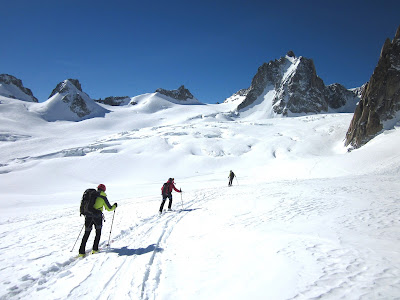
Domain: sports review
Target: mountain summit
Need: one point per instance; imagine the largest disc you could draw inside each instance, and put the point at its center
(380, 100)
(290, 86)
(69, 103)
(12, 87)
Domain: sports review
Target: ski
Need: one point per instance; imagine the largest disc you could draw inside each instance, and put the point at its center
(88, 253)
(165, 211)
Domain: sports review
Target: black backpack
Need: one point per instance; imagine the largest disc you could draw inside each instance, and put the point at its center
(87, 202)
(165, 188)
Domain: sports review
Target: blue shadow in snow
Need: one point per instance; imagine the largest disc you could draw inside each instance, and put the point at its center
(124, 251)
(189, 209)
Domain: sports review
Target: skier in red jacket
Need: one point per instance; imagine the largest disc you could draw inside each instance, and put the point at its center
(166, 192)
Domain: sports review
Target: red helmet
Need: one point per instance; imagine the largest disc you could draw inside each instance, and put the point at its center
(101, 187)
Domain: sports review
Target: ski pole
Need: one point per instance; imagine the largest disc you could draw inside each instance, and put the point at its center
(112, 222)
(181, 200)
(77, 237)
(237, 180)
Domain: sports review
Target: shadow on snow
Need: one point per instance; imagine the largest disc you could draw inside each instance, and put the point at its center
(124, 251)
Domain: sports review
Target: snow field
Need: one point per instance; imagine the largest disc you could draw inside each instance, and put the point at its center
(319, 237)
(303, 220)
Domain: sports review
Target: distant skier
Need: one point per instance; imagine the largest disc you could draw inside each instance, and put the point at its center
(96, 218)
(231, 176)
(166, 192)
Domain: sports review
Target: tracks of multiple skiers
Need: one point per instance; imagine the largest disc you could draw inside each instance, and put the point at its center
(133, 262)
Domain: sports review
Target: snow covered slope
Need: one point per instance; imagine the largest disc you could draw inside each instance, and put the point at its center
(12, 87)
(154, 102)
(305, 219)
(69, 103)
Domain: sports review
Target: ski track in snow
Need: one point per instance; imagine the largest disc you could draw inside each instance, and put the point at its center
(134, 272)
(155, 228)
(318, 238)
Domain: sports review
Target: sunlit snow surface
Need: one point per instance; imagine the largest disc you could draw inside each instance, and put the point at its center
(304, 219)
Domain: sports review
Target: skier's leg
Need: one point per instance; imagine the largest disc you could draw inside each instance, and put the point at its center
(88, 229)
(170, 201)
(162, 203)
(98, 225)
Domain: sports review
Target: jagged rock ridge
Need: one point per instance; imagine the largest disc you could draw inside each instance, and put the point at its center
(115, 101)
(65, 87)
(239, 96)
(12, 87)
(380, 100)
(296, 88)
(181, 94)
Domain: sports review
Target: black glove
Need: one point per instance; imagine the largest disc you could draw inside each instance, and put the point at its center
(116, 205)
(180, 190)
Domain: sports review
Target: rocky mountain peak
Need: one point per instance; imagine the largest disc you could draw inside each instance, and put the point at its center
(12, 87)
(295, 88)
(181, 93)
(397, 35)
(65, 86)
(291, 54)
(380, 99)
(69, 102)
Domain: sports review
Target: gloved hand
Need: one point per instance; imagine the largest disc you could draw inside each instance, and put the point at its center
(116, 205)
(180, 190)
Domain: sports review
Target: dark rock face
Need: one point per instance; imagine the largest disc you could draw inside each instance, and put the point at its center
(290, 53)
(267, 74)
(78, 102)
(297, 86)
(77, 105)
(242, 92)
(380, 100)
(181, 93)
(71, 89)
(337, 95)
(115, 101)
(303, 92)
(62, 87)
(9, 79)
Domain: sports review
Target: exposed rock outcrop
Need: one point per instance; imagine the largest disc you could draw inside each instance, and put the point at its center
(239, 96)
(181, 94)
(64, 87)
(12, 87)
(115, 101)
(380, 100)
(69, 103)
(293, 87)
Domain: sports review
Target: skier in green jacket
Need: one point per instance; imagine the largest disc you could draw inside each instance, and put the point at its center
(96, 219)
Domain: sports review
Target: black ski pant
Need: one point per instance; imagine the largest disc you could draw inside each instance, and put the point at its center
(97, 221)
(230, 181)
(169, 196)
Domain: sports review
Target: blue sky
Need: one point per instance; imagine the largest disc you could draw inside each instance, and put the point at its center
(214, 48)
